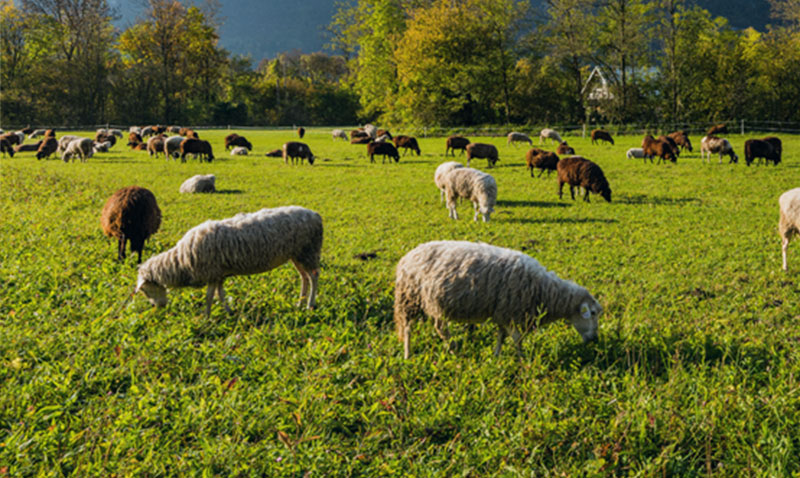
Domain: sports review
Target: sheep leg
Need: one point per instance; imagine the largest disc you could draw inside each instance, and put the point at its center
(516, 336)
(221, 295)
(560, 189)
(440, 325)
(572, 191)
(501, 336)
(540, 173)
(209, 298)
(784, 249)
(306, 278)
(477, 211)
(586, 196)
(121, 248)
(406, 340)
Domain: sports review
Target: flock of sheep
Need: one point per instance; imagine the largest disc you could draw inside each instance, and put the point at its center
(445, 280)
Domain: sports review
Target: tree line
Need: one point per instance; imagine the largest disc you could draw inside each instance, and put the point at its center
(411, 62)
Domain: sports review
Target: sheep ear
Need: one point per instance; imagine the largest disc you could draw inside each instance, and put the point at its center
(586, 313)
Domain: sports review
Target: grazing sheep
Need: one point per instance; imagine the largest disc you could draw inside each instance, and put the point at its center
(441, 172)
(543, 160)
(776, 144)
(476, 186)
(5, 147)
(564, 149)
(64, 141)
(580, 172)
(482, 150)
(26, 148)
(241, 245)
(514, 137)
(717, 129)
(657, 147)
(471, 283)
(275, 153)
(48, 147)
(81, 147)
(101, 147)
(789, 224)
(407, 142)
(235, 140)
(131, 214)
(228, 140)
(201, 183)
(297, 151)
(681, 139)
(135, 129)
(339, 133)
(197, 147)
(672, 144)
(359, 133)
(635, 153)
(371, 130)
(172, 146)
(712, 144)
(603, 135)
(13, 138)
(36, 133)
(174, 129)
(155, 145)
(548, 133)
(148, 131)
(301, 132)
(382, 149)
(134, 139)
(239, 151)
(759, 148)
(454, 143)
(105, 137)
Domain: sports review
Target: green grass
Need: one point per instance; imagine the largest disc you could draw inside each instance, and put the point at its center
(696, 372)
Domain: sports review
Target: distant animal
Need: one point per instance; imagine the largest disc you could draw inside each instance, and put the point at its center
(275, 153)
(81, 147)
(441, 172)
(238, 141)
(578, 171)
(407, 142)
(297, 151)
(134, 139)
(454, 143)
(758, 148)
(239, 151)
(515, 137)
(482, 150)
(6, 147)
(131, 214)
(672, 144)
(721, 146)
(198, 147)
(635, 153)
(301, 132)
(601, 135)
(564, 149)
(172, 146)
(682, 139)
(657, 147)
(717, 129)
(384, 150)
(383, 132)
(359, 133)
(548, 133)
(155, 145)
(339, 133)
(776, 144)
(49, 146)
(542, 160)
(201, 183)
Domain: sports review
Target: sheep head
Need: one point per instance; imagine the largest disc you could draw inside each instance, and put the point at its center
(586, 317)
(156, 294)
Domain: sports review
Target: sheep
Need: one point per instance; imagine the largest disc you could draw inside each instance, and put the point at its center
(50, 133)
(301, 132)
(115, 132)
(297, 151)
(134, 139)
(789, 224)
(196, 147)
(13, 138)
(776, 144)
(174, 129)
(564, 149)
(359, 133)
(105, 137)
(239, 151)
(275, 153)
(201, 183)
(5, 147)
(248, 243)
(384, 132)
(148, 131)
(712, 144)
(717, 129)
(543, 160)
(471, 283)
(681, 139)
(81, 147)
(361, 140)
(131, 214)
(657, 147)
(441, 171)
(36, 133)
(578, 171)
(382, 149)
(759, 148)
(371, 131)
(101, 147)
(407, 142)
(514, 137)
(25, 131)
(155, 145)
(382, 138)
(635, 153)
(339, 133)
(548, 133)
(26, 148)
(64, 142)
(235, 140)
(600, 134)
(672, 144)
(172, 146)
(456, 142)
(482, 150)
(135, 129)
(476, 186)
(49, 146)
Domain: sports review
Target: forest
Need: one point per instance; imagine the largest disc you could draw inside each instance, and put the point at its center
(417, 63)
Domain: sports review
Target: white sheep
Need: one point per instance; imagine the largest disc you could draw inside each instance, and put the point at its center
(201, 183)
(635, 153)
(371, 130)
(64, 141)
(548, 133)
(239, 151)
(135, 129)
(789, 224)
(441, 171)
(382, 138)
(471, 283)
(172, 146)
(514, 137)
(81, 147)
(476, 186)
(115, 132)
(241, 245)
(712, 144)
(339, 133)
(101, 147)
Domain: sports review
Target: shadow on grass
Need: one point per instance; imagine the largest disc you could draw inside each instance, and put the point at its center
(660, 201)
(507, 203)
(560, 220)
(229, 191)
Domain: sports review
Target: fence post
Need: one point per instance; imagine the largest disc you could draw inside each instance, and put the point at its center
(583, 135)
(742, 127)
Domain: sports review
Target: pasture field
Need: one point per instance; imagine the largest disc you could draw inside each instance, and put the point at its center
(696, 373)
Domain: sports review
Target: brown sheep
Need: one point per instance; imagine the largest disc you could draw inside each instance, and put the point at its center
(407, 142)
(174, 129)
(49, 146)
(139, 147)
(228, 140)
(717, 129)
(361, 140)
(155, 145)
(296, 150)
(238, 141)
(600, 134)
(301, 132)
(131, 214)
(382, 149)
(758, 148)
(359, 133)
(275, 153)
(101, 137)
(681, 139)
(50, 133)
(27, 148)
(134, 139)
(578, 171)
(672, 144)
(776, 143)
(5, 146)
(564, 149)
(656, 147)
(197, 147)
(12, 138)
(456, 142)
(482, 150)
(544, 160)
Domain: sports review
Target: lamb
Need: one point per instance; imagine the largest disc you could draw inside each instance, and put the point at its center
(470, 283)
(300, 132)
(476, 186)
(235, 140)
(407, 142)
(382, 149)
(578, 171)
(514, 137)
(134, 139)
(297, 151)
(564, 149)
(441, 171)
(275, 153)
(681, 139)
(131, 214)
(239, 151)
(712, 144)
(49, 146)
(456, 142)
(81, 147)
(548, 133)
(26, 148)
(339, 133)
(600, 134)
(717, 129)
(543, 160)
(172, 146)
(64, 142)
(196, 147)
(789, 224)
(101, 147)
(201, 183)
(248, 243)
(758, 148)
(155, 145)
(635, 153)
(482, 150)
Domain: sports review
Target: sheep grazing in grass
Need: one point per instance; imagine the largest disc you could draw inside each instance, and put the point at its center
(472, 283)
(174, 129)
(635, 153)
(564, 149)
(721, 146)
(681, 138)
(241, 245)
(441, 172)
(776, 144)
(382, 149)
(296, 151)
(789, 224)
(14, 138)
(548, 133)
(81, 147)
(580, 172)
(105, 138)
(172, 146)
(131, 214)
(64, 141)
(601, 135)
(48, 147)
(155, 145)
(239, 151)
(359, 133)
(371, 130)
(361, 140)
(759, 148)
(301, 132)
(27, 148)
(717, 129)
(101, 147)
(454, 143)
(275, 153)
(672, 144)
(201, 183)
(233, 140)
(515, 137)
(543, 160)
(657, 147)
(339, 133)
(476, 186)
(134, 139)
(482, 150)
(197, 147)
(5, 147)
(407, 142)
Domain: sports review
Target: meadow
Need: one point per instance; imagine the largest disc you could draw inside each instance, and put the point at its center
(696, 373)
